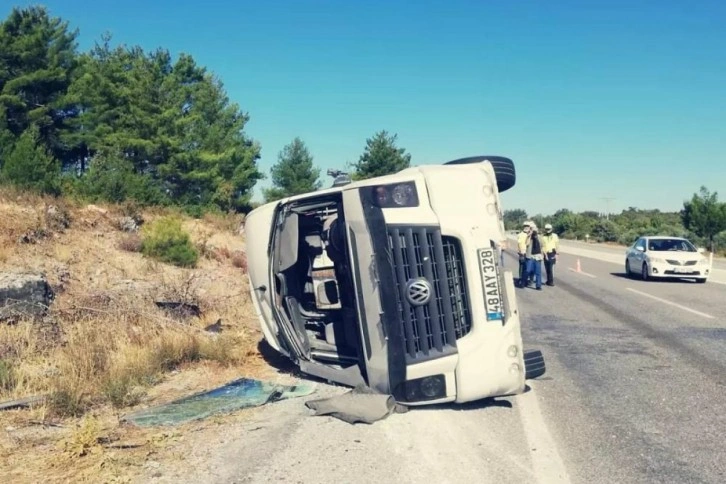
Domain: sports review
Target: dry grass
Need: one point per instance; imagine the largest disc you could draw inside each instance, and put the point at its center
(110, 352)
(130, 243)
(222, 253)
(229, 222)
(5, 252)
(106, 345)
(239, 260)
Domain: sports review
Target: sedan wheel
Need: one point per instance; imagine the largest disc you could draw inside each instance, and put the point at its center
(644, 272)
(627, 268)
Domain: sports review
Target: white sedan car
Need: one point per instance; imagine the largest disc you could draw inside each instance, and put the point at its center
(666, 257)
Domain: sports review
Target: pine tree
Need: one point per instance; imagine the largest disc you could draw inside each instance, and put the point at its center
(172, 121)
(294, 172)
(381, 157)
(31, 166)
(111, 177)
(167, 128)
(37, 63)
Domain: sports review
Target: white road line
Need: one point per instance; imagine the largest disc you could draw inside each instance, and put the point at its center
(665, 301)
(583, 273)
(547, 464)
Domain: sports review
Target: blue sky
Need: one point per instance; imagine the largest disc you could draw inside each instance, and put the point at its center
(592, 99)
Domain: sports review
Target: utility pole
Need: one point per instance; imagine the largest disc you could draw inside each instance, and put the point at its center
(607, 205)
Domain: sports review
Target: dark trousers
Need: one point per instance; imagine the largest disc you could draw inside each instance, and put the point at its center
(523, 270)
(549, 269)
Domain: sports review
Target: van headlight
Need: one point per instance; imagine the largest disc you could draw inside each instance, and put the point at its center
(423, 389)
(395, 195)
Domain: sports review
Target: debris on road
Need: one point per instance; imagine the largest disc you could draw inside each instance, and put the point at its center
(180, 308)
(361, 404)
(238, 394)
(22, 402)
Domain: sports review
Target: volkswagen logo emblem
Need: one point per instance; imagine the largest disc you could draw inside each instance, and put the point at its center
(418, 292)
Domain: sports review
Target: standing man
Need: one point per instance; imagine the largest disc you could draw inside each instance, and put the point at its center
(551, 245)
(522, 242)
(535, 254)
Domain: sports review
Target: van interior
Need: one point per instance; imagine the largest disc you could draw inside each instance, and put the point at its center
(313, 280)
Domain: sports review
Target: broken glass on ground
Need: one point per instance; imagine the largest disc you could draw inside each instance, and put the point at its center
(238, 394)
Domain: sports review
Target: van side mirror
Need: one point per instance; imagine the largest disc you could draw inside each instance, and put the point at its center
(640, 248)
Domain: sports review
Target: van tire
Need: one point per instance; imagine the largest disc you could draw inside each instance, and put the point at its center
(534, 364)
(503, 169)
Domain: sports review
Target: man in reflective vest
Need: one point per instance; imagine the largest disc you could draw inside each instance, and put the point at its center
(550, 246)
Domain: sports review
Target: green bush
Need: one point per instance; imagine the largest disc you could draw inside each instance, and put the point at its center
(605, 231)
(111, 178)
(30, 165)
(165, 240)
(629, 237)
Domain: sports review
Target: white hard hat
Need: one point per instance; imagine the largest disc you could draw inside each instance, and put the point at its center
(548, 227)
(528, 223)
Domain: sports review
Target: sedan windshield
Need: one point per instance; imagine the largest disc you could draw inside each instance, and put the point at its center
(665, 245)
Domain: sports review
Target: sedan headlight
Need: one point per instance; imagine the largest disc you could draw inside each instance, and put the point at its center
(656, 260)
(703, 261)
(395, 195)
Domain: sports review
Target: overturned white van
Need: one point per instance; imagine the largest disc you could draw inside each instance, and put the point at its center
(395, 282)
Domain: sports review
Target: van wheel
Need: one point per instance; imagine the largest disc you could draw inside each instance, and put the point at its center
(503, 169)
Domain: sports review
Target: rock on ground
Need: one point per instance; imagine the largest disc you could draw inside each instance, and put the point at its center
(130, 224)
(23, 295)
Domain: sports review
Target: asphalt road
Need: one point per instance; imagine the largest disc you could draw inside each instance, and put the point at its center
(638, 389)
(635, 392)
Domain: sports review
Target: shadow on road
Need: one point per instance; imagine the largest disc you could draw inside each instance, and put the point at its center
(282, 363)
(622, 275)
(661, 280)
(477, 405)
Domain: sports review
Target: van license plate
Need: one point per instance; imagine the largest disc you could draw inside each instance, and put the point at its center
(490, 280)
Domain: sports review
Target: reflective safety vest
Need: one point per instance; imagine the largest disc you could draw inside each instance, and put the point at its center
(550, 243)
(522, 242)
